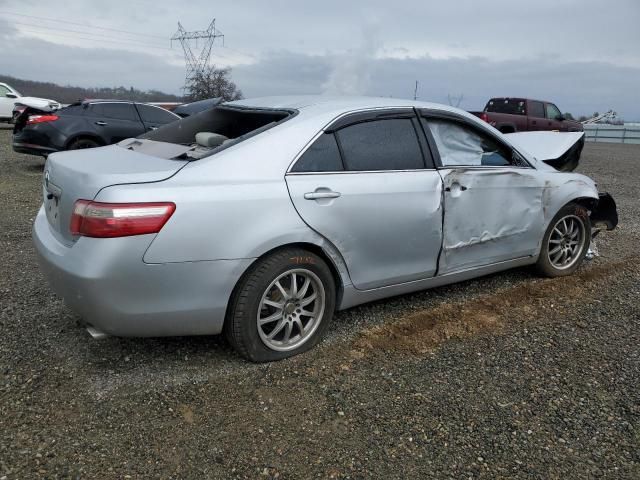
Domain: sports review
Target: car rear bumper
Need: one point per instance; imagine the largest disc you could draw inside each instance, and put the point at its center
(32, 149)
(41, 139)
(106, 282)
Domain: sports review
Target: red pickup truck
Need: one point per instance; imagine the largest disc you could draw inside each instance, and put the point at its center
(511, 115)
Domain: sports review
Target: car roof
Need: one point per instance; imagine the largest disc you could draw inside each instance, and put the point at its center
(328, 102)
(108, 100)
(325, 107)
(519, 99)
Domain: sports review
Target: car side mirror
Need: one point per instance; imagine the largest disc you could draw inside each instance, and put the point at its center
(560, 118)
(11, 95)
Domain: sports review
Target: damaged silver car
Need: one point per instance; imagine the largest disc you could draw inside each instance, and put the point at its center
(260, 218)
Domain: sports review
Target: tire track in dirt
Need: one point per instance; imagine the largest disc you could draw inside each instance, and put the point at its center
(423, 331)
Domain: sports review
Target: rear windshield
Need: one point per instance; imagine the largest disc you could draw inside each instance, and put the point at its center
(218, 128)
(513, 106)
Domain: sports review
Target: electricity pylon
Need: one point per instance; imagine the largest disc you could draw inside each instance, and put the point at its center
(196, 59)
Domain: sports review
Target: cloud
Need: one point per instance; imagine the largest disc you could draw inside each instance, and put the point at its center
(351, 72)
(37, 59)
(576, 87)
(560, 51)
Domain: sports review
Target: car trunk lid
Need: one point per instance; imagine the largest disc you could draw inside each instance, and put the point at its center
(81, 174)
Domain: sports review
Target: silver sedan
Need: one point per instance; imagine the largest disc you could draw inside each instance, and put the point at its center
(260, 218)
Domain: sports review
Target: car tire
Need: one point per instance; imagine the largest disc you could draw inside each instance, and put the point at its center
(268, 318)
(566, 241)
(83, 143)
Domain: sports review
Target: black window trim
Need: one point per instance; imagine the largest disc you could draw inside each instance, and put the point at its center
(427, 113)
(348, 119)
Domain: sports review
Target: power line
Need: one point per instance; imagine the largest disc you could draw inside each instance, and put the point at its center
(238, 51)
(90, 34)
(104, 38)
(88, 38)
(87, 25)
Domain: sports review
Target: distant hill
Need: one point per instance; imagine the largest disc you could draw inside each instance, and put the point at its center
(70, 94)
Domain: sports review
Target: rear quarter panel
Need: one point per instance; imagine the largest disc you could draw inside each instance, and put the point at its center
(234, 205)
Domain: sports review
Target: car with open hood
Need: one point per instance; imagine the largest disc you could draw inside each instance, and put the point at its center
(259, 218)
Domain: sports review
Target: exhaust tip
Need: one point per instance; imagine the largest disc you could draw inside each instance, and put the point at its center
(96, 334)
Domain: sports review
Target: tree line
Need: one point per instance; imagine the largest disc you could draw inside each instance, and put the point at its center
(213, 82)
(70, 94)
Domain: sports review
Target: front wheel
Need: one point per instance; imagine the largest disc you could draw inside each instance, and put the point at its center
(565, 242)
(282, 306)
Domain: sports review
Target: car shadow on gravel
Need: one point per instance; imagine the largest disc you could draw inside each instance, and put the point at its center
(34, 167)
(213, 354)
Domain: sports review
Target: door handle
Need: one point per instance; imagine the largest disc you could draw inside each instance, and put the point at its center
(101, 123)
(321, 194)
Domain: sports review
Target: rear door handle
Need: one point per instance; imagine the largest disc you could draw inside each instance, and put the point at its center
(317, 195)
(101, 123)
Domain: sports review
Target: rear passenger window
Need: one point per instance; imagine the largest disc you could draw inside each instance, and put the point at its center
(119, 111)
(322, 156)
(460, 145)
(390, 144)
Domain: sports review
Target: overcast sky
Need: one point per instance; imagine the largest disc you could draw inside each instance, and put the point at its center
(584, 55)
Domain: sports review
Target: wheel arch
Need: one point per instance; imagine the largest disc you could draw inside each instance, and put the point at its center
(329, 259)
(587, 202)
(88, 136)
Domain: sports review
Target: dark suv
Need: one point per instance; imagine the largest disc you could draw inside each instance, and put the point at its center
(87, 124)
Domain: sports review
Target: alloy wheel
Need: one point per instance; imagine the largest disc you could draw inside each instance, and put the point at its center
(291, 309)
(566, 242)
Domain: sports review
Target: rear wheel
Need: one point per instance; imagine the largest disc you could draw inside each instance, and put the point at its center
(282, 307)
(83, 143)
(566, 242)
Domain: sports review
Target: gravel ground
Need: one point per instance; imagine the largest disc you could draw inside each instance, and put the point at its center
(508, 376)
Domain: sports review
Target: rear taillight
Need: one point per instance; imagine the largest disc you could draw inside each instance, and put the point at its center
(108, 220)
(484, 116)
(33, 119)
